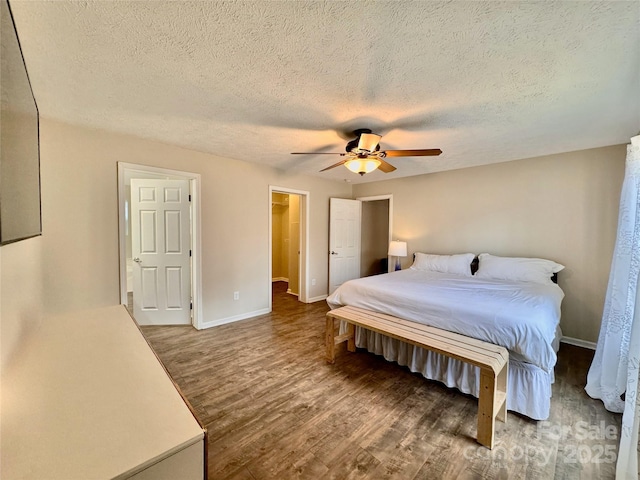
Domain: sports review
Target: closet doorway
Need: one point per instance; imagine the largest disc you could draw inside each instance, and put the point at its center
(285, 240)
(288, 240)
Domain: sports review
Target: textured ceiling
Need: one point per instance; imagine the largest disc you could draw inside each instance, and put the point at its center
(484, 81)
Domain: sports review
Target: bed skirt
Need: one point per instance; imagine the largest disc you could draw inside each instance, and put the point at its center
(528, 388)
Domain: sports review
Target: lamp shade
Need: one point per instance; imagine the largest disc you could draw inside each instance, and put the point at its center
(362, 165)
(398, 249)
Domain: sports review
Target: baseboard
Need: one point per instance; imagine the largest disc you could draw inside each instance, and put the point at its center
(280, 279)
(317, 299)
(234, 318)
(578, 343)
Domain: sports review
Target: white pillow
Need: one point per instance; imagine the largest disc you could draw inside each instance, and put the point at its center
(457, 264)
(536, 270)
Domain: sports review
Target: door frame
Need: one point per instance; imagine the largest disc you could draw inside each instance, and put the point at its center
(383, 197)
(195, 230)
(303, 265)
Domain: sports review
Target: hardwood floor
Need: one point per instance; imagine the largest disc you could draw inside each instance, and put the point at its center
(274, 409)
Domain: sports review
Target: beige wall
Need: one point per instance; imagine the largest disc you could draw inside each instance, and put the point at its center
(74, 265)
(21, 272)
(20, 293)
(562, 207)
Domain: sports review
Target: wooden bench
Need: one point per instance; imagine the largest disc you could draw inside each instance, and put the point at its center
(493, 360)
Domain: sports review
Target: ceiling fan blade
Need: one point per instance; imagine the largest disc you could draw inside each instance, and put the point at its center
(430, 152)
(317, 153)
(341, 162)
(386, 167)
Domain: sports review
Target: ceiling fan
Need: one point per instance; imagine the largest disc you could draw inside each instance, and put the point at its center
(364, 154)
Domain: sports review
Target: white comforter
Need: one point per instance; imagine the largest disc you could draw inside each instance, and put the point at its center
(523, 317)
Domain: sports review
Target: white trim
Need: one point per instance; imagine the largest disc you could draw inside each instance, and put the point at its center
(305, 201)
(389, 197)
(280, 279)
(196, 259)
(317, 299)
(372, 198)
(578, 343)
(196, 238)
(234, 318)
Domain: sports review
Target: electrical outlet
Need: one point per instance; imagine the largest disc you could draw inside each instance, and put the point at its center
(313, 281)
(236, 295)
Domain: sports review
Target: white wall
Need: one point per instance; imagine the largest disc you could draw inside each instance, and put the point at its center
(80, 242)
(562, 207)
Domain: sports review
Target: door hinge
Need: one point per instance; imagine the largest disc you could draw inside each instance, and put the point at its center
(191, 306)
(189, 252)
(189, 197)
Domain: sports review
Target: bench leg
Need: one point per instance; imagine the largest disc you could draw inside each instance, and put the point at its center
(330, 340)
(486, 405)
(502, 390)
(351, 341)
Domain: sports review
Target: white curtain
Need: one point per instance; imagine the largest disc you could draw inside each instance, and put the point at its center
(615, 367)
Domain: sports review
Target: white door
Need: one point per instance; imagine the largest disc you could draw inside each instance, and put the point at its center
(344, 241)
(161, 243)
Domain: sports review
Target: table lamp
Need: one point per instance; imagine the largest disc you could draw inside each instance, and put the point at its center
(398, 249)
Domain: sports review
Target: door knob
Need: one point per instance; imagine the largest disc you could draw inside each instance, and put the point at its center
(137, 260)
(333, 253)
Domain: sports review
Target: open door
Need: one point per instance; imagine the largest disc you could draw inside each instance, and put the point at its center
(344, 241)
(161, 245)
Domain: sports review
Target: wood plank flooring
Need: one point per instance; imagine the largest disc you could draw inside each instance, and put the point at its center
(275, 409)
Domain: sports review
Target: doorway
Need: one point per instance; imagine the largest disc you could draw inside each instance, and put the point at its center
(376, 234)
(126, 173)
(285, 240)
(359, 234)
(288, 240)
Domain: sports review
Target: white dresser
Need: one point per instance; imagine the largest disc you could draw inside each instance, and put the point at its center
(86, 398)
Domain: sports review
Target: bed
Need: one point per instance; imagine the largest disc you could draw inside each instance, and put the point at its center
(519, 311)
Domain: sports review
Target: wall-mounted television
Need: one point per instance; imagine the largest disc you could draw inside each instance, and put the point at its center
(20, 209)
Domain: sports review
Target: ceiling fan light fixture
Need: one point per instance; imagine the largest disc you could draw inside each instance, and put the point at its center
(369, 142)
(363, 154)
(362, 165)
